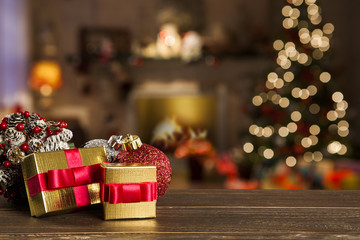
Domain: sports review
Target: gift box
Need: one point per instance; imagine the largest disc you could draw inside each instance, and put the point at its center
(64, 180)
(129, 191)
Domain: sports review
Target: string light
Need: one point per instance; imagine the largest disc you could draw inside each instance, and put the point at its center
(288, 76)
(316, 41)
(290, 161)
(325, 77)
(248, 147)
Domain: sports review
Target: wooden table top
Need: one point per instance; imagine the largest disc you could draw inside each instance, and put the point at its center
(206, 214)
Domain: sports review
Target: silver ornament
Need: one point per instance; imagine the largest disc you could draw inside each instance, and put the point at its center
(112, 146)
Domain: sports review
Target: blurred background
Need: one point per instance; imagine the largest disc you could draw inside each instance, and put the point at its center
(202, 80)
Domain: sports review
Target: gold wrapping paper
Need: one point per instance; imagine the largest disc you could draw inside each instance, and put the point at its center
(120, 173)
(60, 200)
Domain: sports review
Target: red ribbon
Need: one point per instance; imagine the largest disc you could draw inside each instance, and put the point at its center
(76, 176)
(129, 193)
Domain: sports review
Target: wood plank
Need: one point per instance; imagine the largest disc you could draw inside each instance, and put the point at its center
(205, 214)
(262, 198)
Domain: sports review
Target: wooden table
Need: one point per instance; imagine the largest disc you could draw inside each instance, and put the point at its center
(206, 214)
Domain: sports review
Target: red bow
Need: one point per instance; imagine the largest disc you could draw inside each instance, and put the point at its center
(129, 193)
(62, 178)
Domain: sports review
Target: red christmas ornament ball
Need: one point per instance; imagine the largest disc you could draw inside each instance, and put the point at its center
(150, 155)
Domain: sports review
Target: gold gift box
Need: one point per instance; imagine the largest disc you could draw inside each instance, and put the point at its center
(121, 173)
(61, 200)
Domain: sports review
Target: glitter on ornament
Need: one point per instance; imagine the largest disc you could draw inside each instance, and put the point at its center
(137, 152)
(112, 146)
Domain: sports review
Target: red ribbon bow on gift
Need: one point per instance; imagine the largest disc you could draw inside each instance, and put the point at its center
(129, 192)
(76, 176)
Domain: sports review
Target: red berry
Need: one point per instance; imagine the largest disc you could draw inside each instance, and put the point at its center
(26, 114)
(63, 125)
(20, 127)
(7, 163)
(5, 119)
(36, 129)
(24, 147)
(42, 119)
(1, 191)
(3, 125)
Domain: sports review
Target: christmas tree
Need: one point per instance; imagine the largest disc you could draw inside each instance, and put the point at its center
(299, 114)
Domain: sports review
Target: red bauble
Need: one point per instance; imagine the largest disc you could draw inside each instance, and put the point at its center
(24, 147)
(3, 125)
(150, 155)
(20, 127)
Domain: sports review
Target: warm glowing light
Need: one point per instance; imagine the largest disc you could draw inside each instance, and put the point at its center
(340, 113)
(334, 147)
(279, 83)
(317, 156)
(306, 142)
(343, 105)
(343, 133)
(304, 94)
(328, 28)
(314, 129)
(268, 153)
(248, 147)
(287, 11)
(296, 92)
(288, 23)
(303, 58)
(290, 161)
(325, 77)
(46, 73)
(253, 129)
(337, 97)
(314, 140)
(295, 13)
(312, 9)
(46, 90)
(343, 150)
(257, 100)
(312, 90)
(297, 2)
(276, 98)
(284, 102)
(343, 125)
(314, 108)
(295, 116)
(269, 85)
(315, 19)
(283, 131)
(278, 45)
(272, 77)
(332, 115)
(292, 127)
(309, 2)
(267, 131)
(288, 76)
